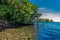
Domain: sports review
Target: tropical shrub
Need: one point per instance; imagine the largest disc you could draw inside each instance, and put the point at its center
(17, 10)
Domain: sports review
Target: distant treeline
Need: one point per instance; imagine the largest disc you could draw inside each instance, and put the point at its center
(45, 20)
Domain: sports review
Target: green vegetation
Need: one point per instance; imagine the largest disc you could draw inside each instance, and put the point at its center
(45, 20)
(17, 10)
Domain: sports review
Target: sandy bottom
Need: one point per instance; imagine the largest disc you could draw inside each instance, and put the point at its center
(24, 33)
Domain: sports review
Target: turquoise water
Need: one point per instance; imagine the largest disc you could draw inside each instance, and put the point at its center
(48, 31)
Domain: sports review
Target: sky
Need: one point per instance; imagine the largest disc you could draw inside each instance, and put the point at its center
(49, 8)
(49, 4)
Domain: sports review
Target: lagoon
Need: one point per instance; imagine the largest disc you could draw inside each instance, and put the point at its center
(48, 31)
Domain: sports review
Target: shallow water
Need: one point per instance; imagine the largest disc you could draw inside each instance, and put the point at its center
(48, 31)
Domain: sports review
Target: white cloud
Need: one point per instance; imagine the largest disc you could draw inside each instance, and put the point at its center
(50, 14)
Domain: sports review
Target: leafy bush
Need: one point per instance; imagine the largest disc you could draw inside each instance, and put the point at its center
(17, 10)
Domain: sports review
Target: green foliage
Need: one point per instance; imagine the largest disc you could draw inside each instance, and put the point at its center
(16, 10)
(45, 20)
